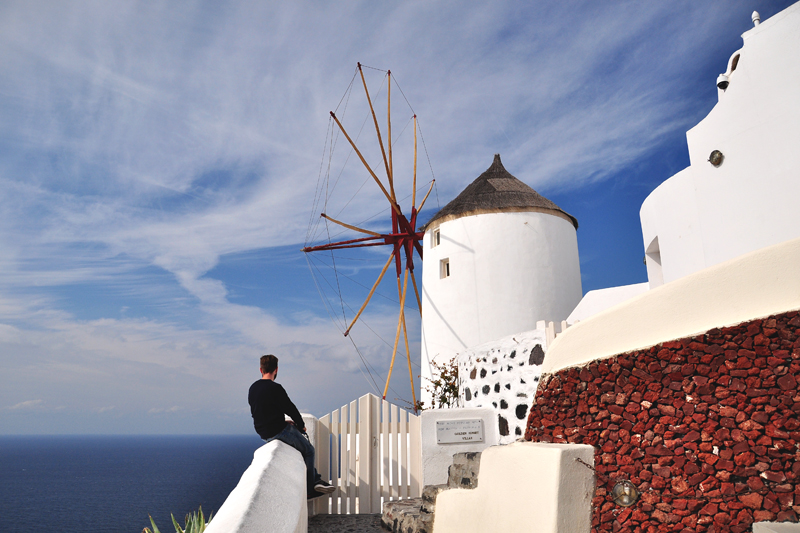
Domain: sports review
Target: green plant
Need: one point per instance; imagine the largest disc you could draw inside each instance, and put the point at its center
(195, 523)
(443, 385)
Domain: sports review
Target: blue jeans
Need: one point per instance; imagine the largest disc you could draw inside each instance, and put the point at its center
(292, 436)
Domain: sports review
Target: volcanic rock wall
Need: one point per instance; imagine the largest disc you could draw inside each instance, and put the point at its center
(707, 428)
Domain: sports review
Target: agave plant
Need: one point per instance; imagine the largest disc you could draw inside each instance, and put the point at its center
(195, 523)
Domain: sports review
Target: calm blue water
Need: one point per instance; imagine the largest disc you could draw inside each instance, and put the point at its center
(109, 484)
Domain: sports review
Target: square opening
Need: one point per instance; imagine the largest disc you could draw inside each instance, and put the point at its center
(444, 268)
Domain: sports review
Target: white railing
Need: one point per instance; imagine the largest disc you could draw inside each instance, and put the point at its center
(550, 329)
(371, 452)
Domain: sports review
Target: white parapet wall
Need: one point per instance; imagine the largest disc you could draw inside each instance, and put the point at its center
(270, 496)
(755, 285)
(775, 527)
(437, 457)
(524, 486)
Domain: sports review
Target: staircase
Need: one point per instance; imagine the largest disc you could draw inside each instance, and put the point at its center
(415, 515)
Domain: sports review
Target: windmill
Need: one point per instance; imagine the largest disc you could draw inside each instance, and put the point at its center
(403, 239)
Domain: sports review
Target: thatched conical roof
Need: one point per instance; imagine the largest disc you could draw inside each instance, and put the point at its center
(497, 191)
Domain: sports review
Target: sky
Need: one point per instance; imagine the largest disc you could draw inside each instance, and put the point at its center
(161, 162)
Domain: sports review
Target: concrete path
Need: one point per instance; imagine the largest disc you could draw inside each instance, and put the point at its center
(348, 523)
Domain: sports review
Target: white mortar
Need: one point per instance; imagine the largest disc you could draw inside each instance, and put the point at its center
(506, 376)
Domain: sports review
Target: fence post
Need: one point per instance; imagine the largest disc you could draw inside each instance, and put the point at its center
(415, 456)
(322, 458)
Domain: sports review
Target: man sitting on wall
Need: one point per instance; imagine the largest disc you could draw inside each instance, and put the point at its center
(268, 405)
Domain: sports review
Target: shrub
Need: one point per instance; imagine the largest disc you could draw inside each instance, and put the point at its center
(195, 523)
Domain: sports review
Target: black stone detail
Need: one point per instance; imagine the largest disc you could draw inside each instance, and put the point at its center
(494, 404)
(494, 372)
(513, 354)
(517, 431)
(522, 381)
(509, 368)
(508, 386)
(522, 411)
(503, 404)
(468, 394)
(502, 424)
(497, 387)
(483, 372)
(494, 361)
(536, 378)
(537, 355)
(486, 389)
(473, 373)
(522, 363)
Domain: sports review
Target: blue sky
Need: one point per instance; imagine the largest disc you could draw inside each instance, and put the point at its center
(159, 162)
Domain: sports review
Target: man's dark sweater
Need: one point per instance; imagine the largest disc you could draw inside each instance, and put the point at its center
(268, 403)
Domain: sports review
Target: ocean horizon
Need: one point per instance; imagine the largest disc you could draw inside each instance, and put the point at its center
(111, 483)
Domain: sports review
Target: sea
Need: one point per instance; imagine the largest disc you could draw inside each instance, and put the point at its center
(111, 484)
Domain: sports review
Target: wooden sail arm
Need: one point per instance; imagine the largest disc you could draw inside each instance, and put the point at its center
(352, 243)
(414, 182)
(389, 128)
(401, 292)
(378, 131)
(369, 169)
(416, 292)
(348, 226)
(426, 196)
(371, 292)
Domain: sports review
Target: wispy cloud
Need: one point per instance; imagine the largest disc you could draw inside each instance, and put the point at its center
(28, 404)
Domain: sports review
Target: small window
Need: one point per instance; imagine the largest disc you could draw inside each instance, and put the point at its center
(436, 240)
(444, 268)
(735, 62)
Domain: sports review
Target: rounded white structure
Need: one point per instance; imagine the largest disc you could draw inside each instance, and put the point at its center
(498, 258)
(741, 191)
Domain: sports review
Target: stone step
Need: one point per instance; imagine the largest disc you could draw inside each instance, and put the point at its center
(463, 473)
(406, 516)
(415, 515)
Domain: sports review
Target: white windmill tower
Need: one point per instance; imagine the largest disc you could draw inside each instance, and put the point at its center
(498, 258)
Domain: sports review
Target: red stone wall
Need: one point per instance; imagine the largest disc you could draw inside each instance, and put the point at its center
(706, 427)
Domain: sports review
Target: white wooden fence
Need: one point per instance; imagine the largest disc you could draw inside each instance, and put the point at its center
(371, 451)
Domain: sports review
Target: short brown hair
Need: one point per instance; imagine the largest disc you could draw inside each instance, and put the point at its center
(269, 363)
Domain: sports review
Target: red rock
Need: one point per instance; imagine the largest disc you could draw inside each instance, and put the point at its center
(755, 483)
(751, 500)
(775, 433)
(763, 516)
(775, 477)
(679, 485)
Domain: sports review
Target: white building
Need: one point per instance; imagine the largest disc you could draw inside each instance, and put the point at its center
(741, 191)
(498, 258)
(746, 196)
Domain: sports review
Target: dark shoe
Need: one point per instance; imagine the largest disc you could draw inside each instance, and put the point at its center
(314, 494)
(323, 486)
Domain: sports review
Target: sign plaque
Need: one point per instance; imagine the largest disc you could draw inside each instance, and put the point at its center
(459, 431)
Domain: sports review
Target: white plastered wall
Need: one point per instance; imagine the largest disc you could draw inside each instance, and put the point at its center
(270, 496)
(507, 271)
(705, 215)
(437, 458)
(524, 486)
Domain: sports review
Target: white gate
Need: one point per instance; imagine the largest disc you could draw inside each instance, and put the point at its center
(371, 451)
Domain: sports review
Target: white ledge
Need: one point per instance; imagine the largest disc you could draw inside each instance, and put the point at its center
(270, 496)
(755, 285)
